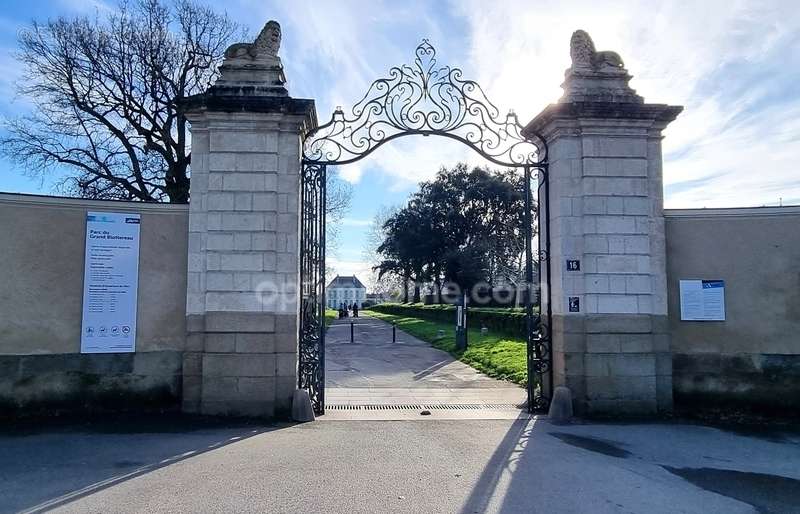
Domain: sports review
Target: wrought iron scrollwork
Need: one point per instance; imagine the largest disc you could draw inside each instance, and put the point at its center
(311, 358)
(424, 99)
(541, 348)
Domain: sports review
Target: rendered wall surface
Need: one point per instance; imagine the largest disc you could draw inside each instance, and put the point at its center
(752, 359)
(41, 293)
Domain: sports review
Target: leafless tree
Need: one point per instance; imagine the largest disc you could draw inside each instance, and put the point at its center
(339, 194)
(105, 90)
(388, 283)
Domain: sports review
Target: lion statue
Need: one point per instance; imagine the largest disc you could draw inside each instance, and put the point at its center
(267, 44)
(585, 57)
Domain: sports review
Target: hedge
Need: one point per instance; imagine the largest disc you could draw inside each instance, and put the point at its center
(505, 321)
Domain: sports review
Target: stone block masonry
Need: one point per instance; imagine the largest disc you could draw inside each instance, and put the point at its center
(242, 298)
(610, 339)
(241, 364)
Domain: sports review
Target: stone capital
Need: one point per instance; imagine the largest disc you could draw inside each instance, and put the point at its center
(572, 118)
(250, 100)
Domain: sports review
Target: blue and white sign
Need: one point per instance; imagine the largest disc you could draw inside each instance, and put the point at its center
(702, 300)
(110, 283)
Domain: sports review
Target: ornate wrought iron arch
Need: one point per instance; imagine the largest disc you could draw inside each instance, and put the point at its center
(418, 99)
(424, 99)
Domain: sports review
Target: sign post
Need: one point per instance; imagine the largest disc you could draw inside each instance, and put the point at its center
(461, 324)
(110, 283)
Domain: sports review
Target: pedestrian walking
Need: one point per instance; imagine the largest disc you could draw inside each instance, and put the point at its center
(355, 310)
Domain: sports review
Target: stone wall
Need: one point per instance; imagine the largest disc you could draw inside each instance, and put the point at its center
(243, 291)
(752, 359)
(243, 265)
(610, 343)
(41, 294)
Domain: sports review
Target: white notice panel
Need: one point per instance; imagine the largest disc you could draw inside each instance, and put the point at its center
(110, 282)
(702, 300)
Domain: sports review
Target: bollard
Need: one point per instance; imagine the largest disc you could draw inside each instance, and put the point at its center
(394, 333)
(302, 410)
(351, 331)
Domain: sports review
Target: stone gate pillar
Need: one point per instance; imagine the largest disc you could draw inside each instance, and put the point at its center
(242, 301)
(607, 255)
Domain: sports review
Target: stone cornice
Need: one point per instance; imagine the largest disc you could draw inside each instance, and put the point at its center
(658, 114)
(249, 99)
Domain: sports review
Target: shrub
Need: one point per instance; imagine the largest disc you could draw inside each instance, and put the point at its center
(505, 321)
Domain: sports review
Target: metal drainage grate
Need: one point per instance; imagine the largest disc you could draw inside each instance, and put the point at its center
(474, 406)
(373, 407)
(443, 406)
(454, 406)
(392, 407)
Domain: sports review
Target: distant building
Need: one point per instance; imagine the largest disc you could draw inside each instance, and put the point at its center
(345, 290)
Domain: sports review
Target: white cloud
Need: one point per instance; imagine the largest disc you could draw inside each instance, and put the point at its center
(351, 172)
(717, 58)
(519, 52)
(334, 53)
(413, 159)
(724, 61)
(361, 269)
(87, 6)
(732, 64)
(352, 222)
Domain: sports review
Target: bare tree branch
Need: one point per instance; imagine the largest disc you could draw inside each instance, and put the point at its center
(105, 93)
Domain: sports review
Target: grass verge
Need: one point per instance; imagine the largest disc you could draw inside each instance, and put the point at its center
(499, 356)
(330, 315)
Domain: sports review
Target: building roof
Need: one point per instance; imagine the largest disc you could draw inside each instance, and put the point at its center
(352, 282)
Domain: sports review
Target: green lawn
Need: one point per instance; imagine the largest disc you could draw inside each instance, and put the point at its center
(330, 315)
(497, 355)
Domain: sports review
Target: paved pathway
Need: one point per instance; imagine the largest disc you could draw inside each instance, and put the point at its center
(374, 370)
(357, 467)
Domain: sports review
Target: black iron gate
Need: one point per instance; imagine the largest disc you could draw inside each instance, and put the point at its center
(311, 359)
(426, 99)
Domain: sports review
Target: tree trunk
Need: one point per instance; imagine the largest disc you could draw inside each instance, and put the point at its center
(177, 183)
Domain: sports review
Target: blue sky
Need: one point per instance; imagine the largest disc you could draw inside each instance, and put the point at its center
(733, 64)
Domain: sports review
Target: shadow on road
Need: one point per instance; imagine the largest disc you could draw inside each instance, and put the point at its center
(47, 468)
(633, 479)
(431, 369)
(507, 452)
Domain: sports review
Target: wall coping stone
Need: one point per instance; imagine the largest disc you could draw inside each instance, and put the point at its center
(733, 212)
(87, 203)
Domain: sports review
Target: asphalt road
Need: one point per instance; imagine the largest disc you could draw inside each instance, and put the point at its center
(374, 369)
(373, 360)
(410, 466)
